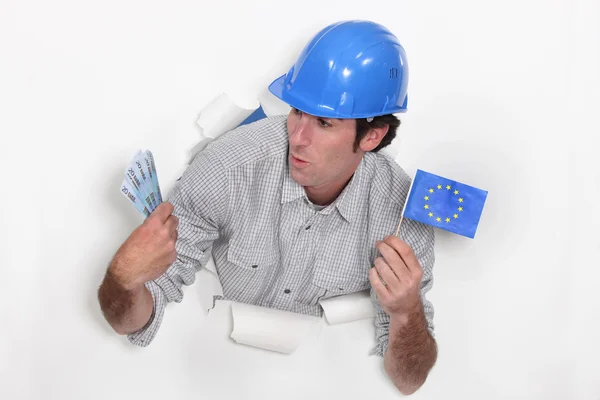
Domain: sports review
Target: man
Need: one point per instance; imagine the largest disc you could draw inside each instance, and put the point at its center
(298, 209)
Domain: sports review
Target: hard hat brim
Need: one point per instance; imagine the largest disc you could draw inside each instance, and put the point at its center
(277, 88)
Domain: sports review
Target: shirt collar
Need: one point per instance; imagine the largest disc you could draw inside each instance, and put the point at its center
(291, 190)
(347, 201)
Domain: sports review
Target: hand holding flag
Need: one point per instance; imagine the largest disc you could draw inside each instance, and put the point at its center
(396, 277)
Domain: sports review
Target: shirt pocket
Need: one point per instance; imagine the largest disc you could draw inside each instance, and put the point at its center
(246, 271)
(338, 278)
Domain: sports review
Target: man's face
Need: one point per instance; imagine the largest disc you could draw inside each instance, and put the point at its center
(321, 150)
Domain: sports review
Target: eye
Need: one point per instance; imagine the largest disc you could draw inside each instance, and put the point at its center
(323, 123)
(296, 111)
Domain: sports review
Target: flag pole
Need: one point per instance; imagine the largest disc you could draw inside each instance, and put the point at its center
(398, 230)
(404, 208)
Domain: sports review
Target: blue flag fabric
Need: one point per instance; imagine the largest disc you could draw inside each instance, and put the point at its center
(445, 204)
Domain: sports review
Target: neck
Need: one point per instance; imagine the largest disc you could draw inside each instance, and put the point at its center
(326, 193)
(323, 197)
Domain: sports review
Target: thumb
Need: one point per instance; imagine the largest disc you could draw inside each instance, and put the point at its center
(162, 212)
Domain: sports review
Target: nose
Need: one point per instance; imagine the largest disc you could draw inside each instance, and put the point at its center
(300, 132)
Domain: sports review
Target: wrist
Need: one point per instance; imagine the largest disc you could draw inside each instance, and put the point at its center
(405, 316)
(116, 275)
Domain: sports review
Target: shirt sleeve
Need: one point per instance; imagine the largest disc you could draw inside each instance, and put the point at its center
(421, 239)
(200, 201)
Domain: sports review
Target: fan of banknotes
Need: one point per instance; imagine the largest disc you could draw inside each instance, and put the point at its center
(140, 185)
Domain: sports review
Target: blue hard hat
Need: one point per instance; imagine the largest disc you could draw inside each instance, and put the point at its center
(350, 69)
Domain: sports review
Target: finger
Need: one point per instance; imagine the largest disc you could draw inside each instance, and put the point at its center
(386, 273)
(162, 212)
(172, 257)
(172, 223)
(393, 259)
(405, 252)
(381, 290)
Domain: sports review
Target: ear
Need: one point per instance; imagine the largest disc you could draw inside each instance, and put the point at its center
(373, 138)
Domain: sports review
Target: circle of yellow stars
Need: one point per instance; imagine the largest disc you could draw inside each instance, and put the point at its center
(439, 218)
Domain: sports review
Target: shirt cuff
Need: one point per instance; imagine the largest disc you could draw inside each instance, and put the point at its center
(144, 336)
(380, 348)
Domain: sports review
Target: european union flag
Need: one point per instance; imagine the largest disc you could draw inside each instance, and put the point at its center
(445, 204)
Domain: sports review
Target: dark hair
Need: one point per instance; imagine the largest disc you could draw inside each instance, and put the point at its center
(362, 127)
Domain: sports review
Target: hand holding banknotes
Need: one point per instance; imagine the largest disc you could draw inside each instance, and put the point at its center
(149, 250)
(146, 254)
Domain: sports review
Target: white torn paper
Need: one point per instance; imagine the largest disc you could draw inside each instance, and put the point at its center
(210, 285)
(272, 105)
(222, 115)
(349, 307)
(270, 329)
(284, 331)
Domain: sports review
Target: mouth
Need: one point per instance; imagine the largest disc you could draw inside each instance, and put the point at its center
(298, 162)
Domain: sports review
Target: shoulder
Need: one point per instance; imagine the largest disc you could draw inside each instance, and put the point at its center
(251, 143)
(389, 188)
(388, 179)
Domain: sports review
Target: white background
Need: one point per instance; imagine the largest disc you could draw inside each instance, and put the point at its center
(502, 95)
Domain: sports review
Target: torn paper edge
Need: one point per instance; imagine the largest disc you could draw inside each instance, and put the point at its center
(270, 329)
(219, 116)
(347, 308)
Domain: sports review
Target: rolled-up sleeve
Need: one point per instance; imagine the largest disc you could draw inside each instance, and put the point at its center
(421, 239)
(144, 336)
(200, 201)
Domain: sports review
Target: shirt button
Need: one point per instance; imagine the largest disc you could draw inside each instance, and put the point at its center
(255, 266)
(287, 291)
(307, 228)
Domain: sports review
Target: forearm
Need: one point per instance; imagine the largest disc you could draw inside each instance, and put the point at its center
(127, 310)
(411, 352)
